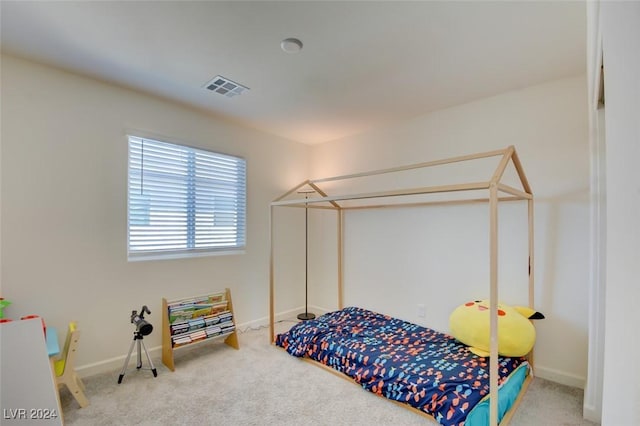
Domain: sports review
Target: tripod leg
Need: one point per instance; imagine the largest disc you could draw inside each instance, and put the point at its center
(139, 365)
(153, 369)
(124, 367)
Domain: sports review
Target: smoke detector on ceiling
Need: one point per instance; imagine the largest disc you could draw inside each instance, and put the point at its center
(224, 86)
(291, 45)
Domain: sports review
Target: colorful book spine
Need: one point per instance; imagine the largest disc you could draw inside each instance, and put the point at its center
(199, 318)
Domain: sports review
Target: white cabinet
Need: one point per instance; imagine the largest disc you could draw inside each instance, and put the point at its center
(28, 393)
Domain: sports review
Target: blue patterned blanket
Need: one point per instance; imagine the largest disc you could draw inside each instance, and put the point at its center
(402, 361)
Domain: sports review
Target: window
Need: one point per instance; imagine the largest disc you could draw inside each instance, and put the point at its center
(183, 201)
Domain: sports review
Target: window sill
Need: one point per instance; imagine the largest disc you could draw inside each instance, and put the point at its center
(140, 257)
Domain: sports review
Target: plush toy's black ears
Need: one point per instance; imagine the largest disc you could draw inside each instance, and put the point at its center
(536, 316)
(529, 313)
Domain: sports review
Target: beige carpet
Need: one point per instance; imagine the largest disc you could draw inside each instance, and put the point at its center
(262, 385)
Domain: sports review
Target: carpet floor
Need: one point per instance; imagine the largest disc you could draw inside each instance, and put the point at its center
(260, 384)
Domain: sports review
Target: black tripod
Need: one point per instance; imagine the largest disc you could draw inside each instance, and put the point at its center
(137, 337)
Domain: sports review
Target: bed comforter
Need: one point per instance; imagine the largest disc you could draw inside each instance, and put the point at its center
(405, 362)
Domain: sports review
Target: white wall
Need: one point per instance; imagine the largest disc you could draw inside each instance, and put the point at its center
(63, 213)
(64, 206)
(621, 53)
(439, 256)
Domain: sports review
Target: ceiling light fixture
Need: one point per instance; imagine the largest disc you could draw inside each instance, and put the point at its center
(291, 45)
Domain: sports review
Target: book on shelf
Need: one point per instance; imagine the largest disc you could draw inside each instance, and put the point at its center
(226, 316)
(191, 336)
(218, 297)
(213, 331)
(201, 310)
(180, 340)
(198, 335)
(227, 326)
(195, 309)
(179, 328)
(212, 319)
(218, 307)
(181, 305)
(179, 316)
(217, 317)
(195, 324)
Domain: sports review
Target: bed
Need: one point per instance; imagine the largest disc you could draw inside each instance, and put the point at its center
(424, 369)
(336, 344)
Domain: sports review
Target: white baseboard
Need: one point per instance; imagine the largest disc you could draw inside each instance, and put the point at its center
(115, 363)
(560, 377)
(592, 414)
(318, 310)
(284, 315)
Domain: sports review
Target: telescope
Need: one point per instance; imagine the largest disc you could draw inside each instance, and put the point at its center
(142, 326)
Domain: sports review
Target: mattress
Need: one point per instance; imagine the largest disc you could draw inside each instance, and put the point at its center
(423, 368)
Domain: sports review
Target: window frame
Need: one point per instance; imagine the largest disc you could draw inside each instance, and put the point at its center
(190, 208)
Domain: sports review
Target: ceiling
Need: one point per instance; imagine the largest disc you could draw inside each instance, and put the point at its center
(363, 64)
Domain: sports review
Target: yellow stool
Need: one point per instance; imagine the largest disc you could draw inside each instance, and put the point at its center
(64, 367)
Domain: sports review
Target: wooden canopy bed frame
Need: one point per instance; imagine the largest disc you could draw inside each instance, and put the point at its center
(495, 192)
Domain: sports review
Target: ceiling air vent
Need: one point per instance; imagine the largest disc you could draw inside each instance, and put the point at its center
(226, 87)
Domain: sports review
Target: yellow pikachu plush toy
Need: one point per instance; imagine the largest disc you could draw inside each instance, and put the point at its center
(469, 323)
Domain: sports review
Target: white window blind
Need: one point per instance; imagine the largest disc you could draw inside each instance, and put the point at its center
(183, 201)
